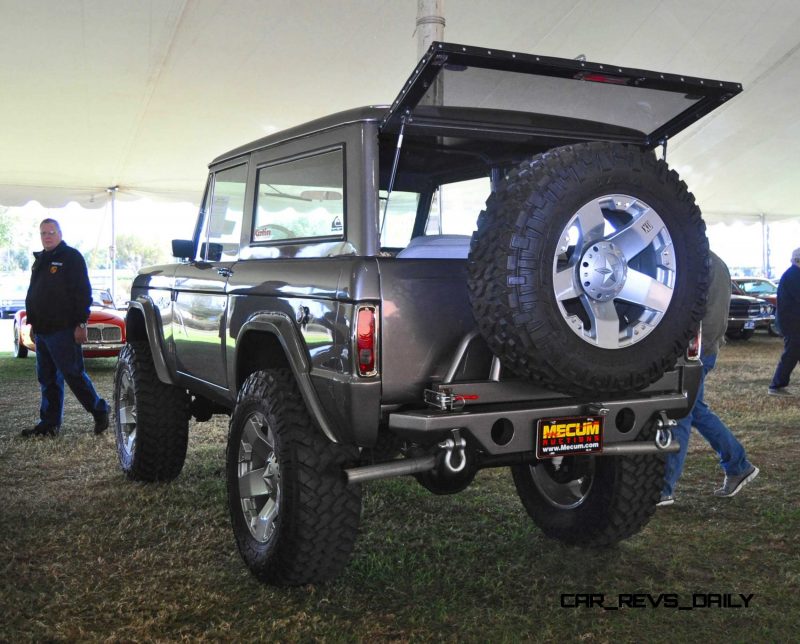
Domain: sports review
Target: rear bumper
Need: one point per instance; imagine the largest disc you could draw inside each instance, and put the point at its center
(501, 428)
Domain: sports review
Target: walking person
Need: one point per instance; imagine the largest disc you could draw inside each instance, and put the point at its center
(732, 458)
(787, 319)
(57, 308)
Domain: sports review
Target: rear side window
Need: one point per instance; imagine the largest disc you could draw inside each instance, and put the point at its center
(453, 210)
(301, 199)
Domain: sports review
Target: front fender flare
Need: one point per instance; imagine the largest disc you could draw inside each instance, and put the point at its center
(155, 335)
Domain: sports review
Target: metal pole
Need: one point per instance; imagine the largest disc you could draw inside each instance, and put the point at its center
(430, 24)
(112, 250)
(430, 28)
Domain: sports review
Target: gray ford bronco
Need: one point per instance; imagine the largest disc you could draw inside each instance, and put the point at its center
(496, 270)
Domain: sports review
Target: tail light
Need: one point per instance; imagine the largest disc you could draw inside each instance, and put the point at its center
(366, 341)
(695, 345)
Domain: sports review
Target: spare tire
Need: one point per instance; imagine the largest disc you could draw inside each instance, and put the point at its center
(588, 270)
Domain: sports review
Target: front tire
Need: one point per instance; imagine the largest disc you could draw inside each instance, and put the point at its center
(151, 419)
(591, 500)
(293, 515)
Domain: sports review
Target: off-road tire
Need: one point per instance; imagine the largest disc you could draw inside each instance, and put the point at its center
(618, 501)
(522, 240)
(151, 419)
(312, 514)
(20, 350)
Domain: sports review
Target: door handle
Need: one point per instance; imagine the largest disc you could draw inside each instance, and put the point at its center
(225, 271)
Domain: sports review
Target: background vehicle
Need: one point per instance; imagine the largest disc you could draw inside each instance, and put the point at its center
(12, 298)
(747, 314)
(345, 302)
(762, 288)
(106, 327)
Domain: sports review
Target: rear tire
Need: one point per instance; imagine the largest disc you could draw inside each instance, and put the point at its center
(294, 517)
(591, 500)
(151, 419)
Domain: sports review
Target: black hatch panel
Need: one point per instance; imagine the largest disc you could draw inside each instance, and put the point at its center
(472, 91)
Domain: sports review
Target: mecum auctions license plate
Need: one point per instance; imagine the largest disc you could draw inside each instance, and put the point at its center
(569, 436)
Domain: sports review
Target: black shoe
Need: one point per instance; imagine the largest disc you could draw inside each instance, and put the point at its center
(41, 430)
(100, 422)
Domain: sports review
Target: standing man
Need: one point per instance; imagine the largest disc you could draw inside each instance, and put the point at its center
(738, 470)
(57, 307)
(788, 321)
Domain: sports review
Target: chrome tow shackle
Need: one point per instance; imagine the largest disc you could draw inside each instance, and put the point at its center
(664, 431)
(455, 458)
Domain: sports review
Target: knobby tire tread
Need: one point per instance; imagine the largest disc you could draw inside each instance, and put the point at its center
(162, 423)
(622, 500)
(511, 293)
(321, 513)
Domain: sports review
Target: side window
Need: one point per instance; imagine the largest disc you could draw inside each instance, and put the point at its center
(397, 220)
(223, 226)
(456, 206)
(301, 199)
(454, 210)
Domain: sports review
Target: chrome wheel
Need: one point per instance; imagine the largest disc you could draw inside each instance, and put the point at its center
(614, 271)
(259, 478)
(126, 413)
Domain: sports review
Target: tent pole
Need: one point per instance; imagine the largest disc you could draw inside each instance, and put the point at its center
(764, 246)
(430, 28)
(430, 24)
(112, 250)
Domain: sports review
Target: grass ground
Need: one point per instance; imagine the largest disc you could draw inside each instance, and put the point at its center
(86, 555)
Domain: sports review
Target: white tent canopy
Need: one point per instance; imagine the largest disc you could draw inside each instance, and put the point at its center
(142, 95)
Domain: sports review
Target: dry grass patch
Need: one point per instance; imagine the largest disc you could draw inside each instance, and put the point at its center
(86, 555)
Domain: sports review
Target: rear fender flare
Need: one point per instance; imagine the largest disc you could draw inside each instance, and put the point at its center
(283, 328)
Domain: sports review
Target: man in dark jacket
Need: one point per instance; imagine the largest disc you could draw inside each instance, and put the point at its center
(788, 320)
(57, 308)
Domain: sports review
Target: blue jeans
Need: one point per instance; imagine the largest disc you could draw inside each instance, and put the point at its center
(789, 358)
(732, 457)
(59, 358)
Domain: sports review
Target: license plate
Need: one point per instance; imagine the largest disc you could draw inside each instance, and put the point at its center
(750, 325)
(569, 436)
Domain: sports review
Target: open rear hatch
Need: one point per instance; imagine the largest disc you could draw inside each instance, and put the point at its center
(459, 90)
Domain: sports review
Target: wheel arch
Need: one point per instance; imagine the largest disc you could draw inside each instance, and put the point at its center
(269, 340)
(143, 323)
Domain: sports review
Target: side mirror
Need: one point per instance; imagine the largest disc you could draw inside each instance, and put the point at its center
(211, 252)
(183, 248)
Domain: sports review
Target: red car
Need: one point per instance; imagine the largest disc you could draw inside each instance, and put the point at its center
(106, 327)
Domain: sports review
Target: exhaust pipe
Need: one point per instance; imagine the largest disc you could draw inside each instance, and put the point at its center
(663, 443)
(401, 467)
(638, 448)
